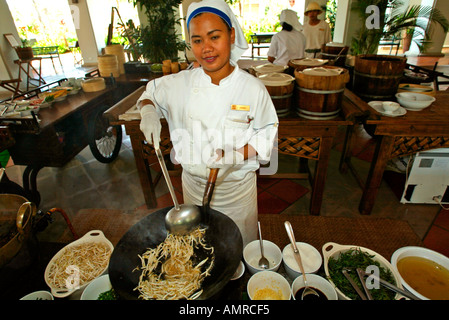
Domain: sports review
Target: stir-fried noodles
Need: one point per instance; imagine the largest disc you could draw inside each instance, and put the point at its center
(170, 271)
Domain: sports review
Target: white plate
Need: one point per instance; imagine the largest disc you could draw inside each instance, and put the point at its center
(377, 105)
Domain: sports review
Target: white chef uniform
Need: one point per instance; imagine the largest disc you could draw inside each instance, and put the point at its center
(316, 36)
(286, 45)
(203, 117)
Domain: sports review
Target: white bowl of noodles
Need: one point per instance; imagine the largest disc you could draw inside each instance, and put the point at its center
(78, 264)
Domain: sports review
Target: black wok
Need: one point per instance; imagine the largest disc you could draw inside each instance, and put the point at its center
(222, 233)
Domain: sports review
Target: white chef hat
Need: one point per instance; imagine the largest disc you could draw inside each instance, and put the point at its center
(291, 17)
(222, 9)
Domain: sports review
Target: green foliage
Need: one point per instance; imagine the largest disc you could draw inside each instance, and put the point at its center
(397, 23)
(331, 14)
(158, 40)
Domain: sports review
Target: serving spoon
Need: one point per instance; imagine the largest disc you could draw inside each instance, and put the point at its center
(263, 262)
(307, 290)
(182, 218)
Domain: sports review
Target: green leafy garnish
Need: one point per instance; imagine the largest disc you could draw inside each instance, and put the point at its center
(353, 259)
(108, 295)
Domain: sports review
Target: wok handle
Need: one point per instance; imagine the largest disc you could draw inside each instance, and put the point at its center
(209, 190)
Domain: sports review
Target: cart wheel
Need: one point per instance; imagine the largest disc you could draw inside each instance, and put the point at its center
(105, 140)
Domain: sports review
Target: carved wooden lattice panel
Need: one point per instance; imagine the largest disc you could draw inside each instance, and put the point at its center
(410, 145)
(300, 147)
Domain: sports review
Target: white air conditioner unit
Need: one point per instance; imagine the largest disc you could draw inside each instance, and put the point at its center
(428, 181)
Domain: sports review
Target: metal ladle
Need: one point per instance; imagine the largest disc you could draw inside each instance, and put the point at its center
(307, 290)
(181, 219)
(263, 262)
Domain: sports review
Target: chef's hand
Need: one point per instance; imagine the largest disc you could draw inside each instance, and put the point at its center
(225, 160)
(150, 125)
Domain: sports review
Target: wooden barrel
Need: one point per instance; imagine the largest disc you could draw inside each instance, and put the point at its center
(304, 63)
(335, 53)
(107, 65)
(319, 96)
(280, 86)
(377, 77)
(119, 52)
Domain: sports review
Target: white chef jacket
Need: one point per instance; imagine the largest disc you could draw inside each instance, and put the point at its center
(199, 112)
(286, 45)
(317, 35)
(203, 117)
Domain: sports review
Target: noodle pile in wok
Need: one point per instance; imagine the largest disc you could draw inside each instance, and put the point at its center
(169, 271)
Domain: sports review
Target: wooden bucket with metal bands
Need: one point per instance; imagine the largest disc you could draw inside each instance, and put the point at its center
(319, 96)
(377, 77)
(280, 86)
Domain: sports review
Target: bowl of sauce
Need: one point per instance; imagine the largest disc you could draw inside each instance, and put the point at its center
(423, 272)
(324, 288)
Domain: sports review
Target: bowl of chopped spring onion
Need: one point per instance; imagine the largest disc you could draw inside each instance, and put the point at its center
(338, 257)
(99, 289)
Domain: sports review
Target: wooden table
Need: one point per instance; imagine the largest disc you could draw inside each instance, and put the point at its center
(307, 139)
(260, 40)
(401, 136)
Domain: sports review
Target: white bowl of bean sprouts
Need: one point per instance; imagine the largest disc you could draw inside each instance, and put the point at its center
(78, 264)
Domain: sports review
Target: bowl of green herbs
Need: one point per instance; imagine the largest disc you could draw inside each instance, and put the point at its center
(339, 257)
(99, 289)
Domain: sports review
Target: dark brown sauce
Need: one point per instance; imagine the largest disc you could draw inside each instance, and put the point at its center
(310, 297)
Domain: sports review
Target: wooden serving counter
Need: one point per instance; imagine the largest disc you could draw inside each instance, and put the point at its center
(401, 136)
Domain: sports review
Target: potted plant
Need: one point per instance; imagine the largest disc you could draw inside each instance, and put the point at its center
(25, 52)
(158, 39)
(397, 23)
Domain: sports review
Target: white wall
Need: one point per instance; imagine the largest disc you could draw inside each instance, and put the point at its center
(8, 69)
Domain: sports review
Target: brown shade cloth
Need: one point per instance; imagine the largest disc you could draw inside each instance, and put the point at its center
(383, 236)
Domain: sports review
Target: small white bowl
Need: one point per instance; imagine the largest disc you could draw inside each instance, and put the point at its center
(315, 282)
(414, 101)
(412, 251)
(96, 287)
(239, 272)
(38, 295)
(268, 285)
(251, 256)
(390, 106)
(311, 259)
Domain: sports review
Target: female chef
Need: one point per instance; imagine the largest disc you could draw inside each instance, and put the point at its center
(214, 110)
(289, 43)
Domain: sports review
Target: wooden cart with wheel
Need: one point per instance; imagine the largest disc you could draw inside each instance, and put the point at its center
(58, 133)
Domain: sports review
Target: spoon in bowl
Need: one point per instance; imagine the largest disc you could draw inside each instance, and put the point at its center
(263, 262)
(307, 290)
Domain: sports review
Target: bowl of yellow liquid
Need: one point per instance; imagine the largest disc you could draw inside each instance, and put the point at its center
(423, 272)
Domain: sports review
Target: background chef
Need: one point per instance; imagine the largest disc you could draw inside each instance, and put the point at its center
(217, 107)
(317, 31)
(289, 43)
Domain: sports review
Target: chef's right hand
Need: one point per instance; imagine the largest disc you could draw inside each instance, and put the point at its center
(150, 125)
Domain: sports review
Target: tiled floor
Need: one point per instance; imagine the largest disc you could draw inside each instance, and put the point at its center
(86, 183)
